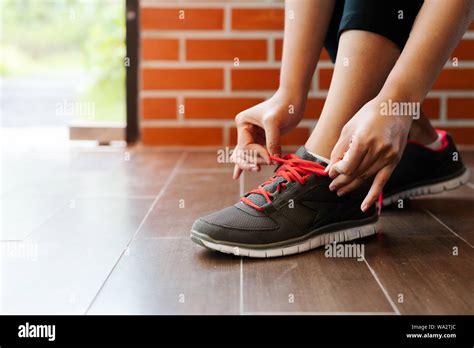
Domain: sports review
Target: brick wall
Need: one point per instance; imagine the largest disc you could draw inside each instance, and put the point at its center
(191, 89)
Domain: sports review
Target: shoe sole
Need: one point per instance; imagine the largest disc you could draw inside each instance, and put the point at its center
(343, 235)
(430, 189)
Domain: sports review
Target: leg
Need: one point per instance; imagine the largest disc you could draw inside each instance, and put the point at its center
(422, 131)
(363, 63)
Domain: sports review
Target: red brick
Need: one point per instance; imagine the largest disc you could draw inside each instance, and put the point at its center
(217, 108)
(226, 49)
(279, 50)
(314, 106)
(461, 135)
(325, 76)
(461, 108)
(464, 51)
(176, 79)
(160, 49)
(324, 55)
(258, 19)
(255, 79)
(158, 108)
(455, 79)
(194, 19)
(297, 136)
(196, 136)
(431, 108)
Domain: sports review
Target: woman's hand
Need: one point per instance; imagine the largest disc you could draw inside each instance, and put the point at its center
(370, 144)
(260, 127)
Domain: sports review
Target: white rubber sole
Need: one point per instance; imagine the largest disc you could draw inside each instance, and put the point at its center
(309, 244)
(447, 185)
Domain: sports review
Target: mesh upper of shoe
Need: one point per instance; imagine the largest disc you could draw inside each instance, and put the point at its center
(234, 217)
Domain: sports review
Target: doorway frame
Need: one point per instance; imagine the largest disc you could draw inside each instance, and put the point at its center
(132, 38)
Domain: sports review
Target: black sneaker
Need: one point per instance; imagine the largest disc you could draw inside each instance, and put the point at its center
(291, 213)
(423, 171)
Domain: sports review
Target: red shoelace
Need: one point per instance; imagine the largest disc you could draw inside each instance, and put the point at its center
(292, 169)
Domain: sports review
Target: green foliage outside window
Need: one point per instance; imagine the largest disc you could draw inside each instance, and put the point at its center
(53, 36)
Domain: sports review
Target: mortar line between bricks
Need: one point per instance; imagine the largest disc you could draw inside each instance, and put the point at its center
(192, 34)
(227, 19)
(254, 64)
(181, 48)
(268, 93)
(146, 4)
(443, 108)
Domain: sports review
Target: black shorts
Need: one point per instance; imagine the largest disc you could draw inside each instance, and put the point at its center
(392, 19)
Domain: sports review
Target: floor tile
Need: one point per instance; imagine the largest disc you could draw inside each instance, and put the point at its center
(312, 282)
(453, 208)
(208, 160)
(187, 198)
(22, 213)
(171, 276)
(75, 251)
(429, 272)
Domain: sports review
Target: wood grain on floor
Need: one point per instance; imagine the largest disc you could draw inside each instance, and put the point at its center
(311, 282)
(61, 266)
(171, 276)
(454, 209)
(108, 232)
(425, 268)
(186, 199)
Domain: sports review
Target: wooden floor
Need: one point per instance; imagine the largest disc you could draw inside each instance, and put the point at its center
(107, 231)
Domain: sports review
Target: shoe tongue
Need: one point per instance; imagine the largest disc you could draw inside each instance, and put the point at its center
(305, 155)
(259, 200)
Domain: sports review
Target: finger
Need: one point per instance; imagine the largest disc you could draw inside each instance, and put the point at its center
(351, 186)
(371, 165)
(272, 136)
(245, 134)
(246, 142)
(249, 157)
(237, 172)
(340, 181)
(257, 151)
(337, 154)
(239, 168)
(377, 186)
(352, 158)
(371, 168)
(372, 162)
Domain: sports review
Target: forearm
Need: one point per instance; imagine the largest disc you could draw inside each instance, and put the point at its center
(438, 28)
(306, 23)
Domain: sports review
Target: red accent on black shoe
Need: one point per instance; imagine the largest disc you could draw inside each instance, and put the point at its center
(444, 141)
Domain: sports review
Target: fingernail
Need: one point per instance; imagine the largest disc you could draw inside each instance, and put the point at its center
(363, 207)
(340, 193)
(332, 187)
(254, 169)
